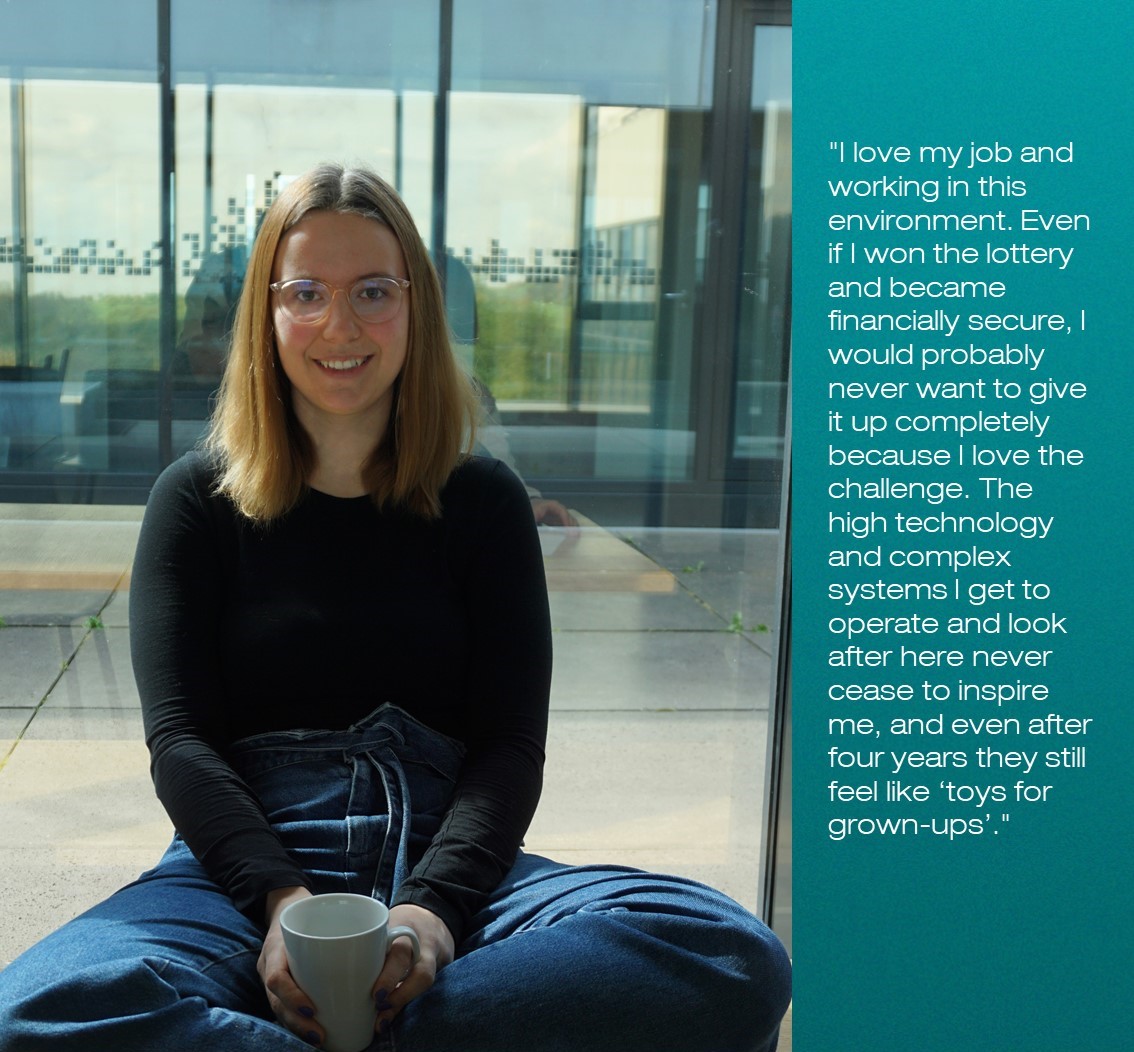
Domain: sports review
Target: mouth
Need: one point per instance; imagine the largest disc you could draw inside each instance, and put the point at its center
(342, 365)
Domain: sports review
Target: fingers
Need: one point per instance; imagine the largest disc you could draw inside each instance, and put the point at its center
(401, 980)
(399, 969)
(289, 1004)
(296, 1012)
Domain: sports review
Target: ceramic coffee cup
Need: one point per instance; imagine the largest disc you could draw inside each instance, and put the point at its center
(336, 945)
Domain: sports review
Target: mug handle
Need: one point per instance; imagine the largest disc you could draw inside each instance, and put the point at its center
(410, 934)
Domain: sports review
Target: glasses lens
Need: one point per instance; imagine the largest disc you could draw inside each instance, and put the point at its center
(304, 300)
(376, 299)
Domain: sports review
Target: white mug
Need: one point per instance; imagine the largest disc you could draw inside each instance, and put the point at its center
(336, 946)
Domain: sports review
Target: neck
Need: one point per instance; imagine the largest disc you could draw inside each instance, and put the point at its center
(338, 477)
(342, 449)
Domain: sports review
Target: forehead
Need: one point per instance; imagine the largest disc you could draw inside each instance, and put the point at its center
(337, 247)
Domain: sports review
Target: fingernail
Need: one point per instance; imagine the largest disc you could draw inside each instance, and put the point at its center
(307, 1013)
(312, 1038)
(382, 1001)
(382, 1025)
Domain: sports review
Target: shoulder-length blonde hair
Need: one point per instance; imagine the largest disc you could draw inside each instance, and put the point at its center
(265, 454)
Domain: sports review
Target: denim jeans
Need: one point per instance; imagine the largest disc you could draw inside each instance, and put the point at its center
(579, 959)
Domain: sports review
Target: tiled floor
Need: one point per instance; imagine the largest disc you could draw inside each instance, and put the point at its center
(658, 733)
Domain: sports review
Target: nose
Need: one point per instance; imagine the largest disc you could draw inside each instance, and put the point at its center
(340, 322)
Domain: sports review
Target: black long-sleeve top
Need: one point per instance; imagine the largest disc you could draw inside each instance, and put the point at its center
(315, 620)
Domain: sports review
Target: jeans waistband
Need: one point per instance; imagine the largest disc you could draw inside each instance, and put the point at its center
(354, 807)
(387, 723)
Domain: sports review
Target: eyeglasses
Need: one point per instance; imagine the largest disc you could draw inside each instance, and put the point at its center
(372, 299)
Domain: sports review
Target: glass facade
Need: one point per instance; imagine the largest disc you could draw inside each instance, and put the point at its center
(79, 240)
(581, 189)
(606, 191)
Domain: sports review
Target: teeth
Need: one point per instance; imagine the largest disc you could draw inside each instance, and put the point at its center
(342, 363)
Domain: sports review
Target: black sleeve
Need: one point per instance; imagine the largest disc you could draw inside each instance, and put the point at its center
(497, 555)
(176, 596)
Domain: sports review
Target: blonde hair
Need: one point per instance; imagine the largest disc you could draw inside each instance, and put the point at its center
(265, 455)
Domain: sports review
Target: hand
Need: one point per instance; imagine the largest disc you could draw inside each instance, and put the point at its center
(291, 1006)
(551, 513)
(401, 980)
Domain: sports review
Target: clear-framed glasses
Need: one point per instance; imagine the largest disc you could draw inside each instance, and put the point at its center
(307, 301)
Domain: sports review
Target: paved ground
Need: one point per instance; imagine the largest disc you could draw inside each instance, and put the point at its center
(657, 743)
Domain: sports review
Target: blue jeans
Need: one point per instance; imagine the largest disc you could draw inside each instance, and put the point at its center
(579, 959)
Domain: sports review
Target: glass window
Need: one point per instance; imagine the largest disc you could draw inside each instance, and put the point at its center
(764, 331)
(568, 174)
(9, 103)
(94, 254)
(79, 235)
(512, 225)
(575, 175)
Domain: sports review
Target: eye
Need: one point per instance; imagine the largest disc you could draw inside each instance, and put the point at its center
(305, 291)
(371, 291)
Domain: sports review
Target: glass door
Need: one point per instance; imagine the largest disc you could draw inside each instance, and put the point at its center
(743, 462)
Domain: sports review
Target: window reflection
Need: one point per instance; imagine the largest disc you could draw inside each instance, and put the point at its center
(511, 223)
(621, 259)
(763, 336)
(559, 216)
(9, 239)
(582, 256)
(87, 279)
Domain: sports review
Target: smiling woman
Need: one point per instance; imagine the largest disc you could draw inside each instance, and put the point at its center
(342, 366)
(382, 391)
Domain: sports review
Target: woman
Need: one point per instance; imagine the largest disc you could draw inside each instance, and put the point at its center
(341, 640)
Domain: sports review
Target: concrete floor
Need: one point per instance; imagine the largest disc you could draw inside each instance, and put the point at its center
(656, 754)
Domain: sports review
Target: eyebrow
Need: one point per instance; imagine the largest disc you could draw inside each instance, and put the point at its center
(353, 281)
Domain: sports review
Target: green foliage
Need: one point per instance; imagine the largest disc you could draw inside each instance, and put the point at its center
(523, 341)
(94, 622)
(736, 624)
(103, 332)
